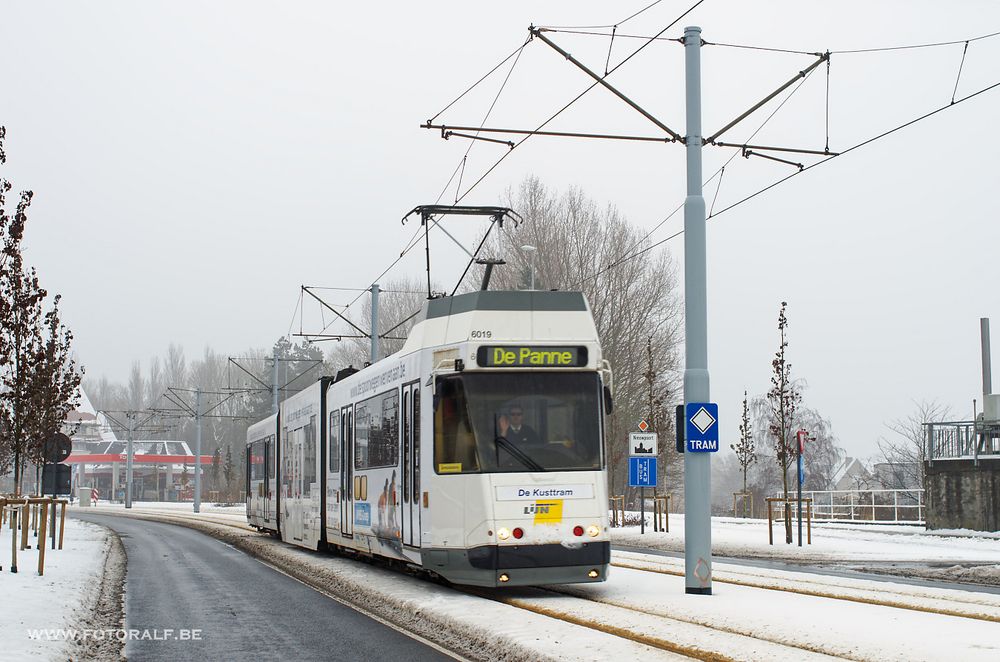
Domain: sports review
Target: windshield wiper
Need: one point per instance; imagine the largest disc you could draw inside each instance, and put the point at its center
(518, 453)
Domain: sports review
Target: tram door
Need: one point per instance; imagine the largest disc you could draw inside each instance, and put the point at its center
(270, 482)
(293, 480)
(411, 465)
(347, 472)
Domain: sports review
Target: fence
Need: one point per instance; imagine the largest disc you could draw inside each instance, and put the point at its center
(961, 440)
(883, 506)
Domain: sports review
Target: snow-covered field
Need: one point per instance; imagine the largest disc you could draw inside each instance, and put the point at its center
(839, 542)
(642, 612)
(53, 601)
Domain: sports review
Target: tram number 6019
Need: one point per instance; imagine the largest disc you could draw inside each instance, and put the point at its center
(481, 334)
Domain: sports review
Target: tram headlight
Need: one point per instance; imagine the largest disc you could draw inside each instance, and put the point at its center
(593, 530)
(503, 533)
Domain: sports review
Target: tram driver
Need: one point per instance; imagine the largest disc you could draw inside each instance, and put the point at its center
(515, 430)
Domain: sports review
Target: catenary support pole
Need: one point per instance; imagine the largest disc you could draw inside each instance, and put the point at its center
(129, 453)
(373, 355)
(697, 466)
(274, 382)
(197, 450)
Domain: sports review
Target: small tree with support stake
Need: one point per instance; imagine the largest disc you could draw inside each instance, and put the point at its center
(745, 449)
(783, 399)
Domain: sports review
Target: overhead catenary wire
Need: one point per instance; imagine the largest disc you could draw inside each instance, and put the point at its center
(884, 49)
(414, 241)
(717, 173)
(597, 27)
(578, 97)
(774, 184)
(959, 76)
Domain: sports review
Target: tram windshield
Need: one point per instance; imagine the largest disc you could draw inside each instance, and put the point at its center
(517, 422)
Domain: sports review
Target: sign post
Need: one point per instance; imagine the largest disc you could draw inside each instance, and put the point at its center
(801, 438)
(643, 448)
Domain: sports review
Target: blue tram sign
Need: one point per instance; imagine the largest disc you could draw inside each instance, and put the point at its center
(701, 427)
(642, 472)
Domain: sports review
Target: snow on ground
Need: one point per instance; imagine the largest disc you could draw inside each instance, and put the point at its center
(754, 613)
(53, 601)
(837, 627)
(840, 542)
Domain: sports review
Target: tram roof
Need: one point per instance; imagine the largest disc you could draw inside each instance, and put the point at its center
(523, 300)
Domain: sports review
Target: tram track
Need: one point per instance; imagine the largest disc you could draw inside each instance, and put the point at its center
(939, 604)
(644, 626)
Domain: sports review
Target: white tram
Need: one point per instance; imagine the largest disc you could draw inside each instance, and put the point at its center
(475, 453)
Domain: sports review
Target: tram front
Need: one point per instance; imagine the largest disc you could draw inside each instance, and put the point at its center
(519, 450)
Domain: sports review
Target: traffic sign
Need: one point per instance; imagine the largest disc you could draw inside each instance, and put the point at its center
(701, 427)
(643, 426)
(56, 448)
(642, 472)
(642, 444)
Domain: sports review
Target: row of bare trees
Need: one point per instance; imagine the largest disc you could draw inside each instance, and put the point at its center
(38, 375)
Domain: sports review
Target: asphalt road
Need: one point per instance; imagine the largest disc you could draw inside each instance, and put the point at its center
(178, 578)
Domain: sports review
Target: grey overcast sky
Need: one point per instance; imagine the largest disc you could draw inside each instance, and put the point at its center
(194, 163)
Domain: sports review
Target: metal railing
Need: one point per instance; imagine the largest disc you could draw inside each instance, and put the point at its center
(961, 440)
(882, 506)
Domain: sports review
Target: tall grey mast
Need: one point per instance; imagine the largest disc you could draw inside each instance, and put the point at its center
(373, 354)
(697, 466)
(197, 450)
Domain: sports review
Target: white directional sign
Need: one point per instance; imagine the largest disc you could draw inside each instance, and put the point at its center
(642, 444)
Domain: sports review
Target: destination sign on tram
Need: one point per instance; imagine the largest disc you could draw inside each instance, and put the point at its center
(531, 356)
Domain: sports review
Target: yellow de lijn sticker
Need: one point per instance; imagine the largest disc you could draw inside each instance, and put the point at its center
(450, 468)
(546, 512)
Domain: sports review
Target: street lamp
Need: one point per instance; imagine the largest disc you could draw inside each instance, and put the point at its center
(531, 249)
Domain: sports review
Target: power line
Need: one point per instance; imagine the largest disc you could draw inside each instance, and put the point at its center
(595, 27)
(578, 97)
(863, 143)
(413, 242)
(912, 46)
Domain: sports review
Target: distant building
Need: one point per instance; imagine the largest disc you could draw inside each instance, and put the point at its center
(852, 475)
(898, 475)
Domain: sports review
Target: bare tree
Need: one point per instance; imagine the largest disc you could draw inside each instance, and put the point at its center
(745, 450)
(400, 302)
(783, 399)
(904, 452)
(579, 246)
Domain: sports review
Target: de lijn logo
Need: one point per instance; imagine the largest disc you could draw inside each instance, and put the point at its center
(702, 428)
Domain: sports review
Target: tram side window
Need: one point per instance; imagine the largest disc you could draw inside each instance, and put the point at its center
(376, 440)
(257, 460)
(286, 473)
(334, 450)
(454, 439)
(309, 470)
(270, 456)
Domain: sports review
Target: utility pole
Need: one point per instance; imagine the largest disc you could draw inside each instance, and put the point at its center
(128, 459)
(697, 466)
(274, 383)
(373, 354)
(197, 450)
